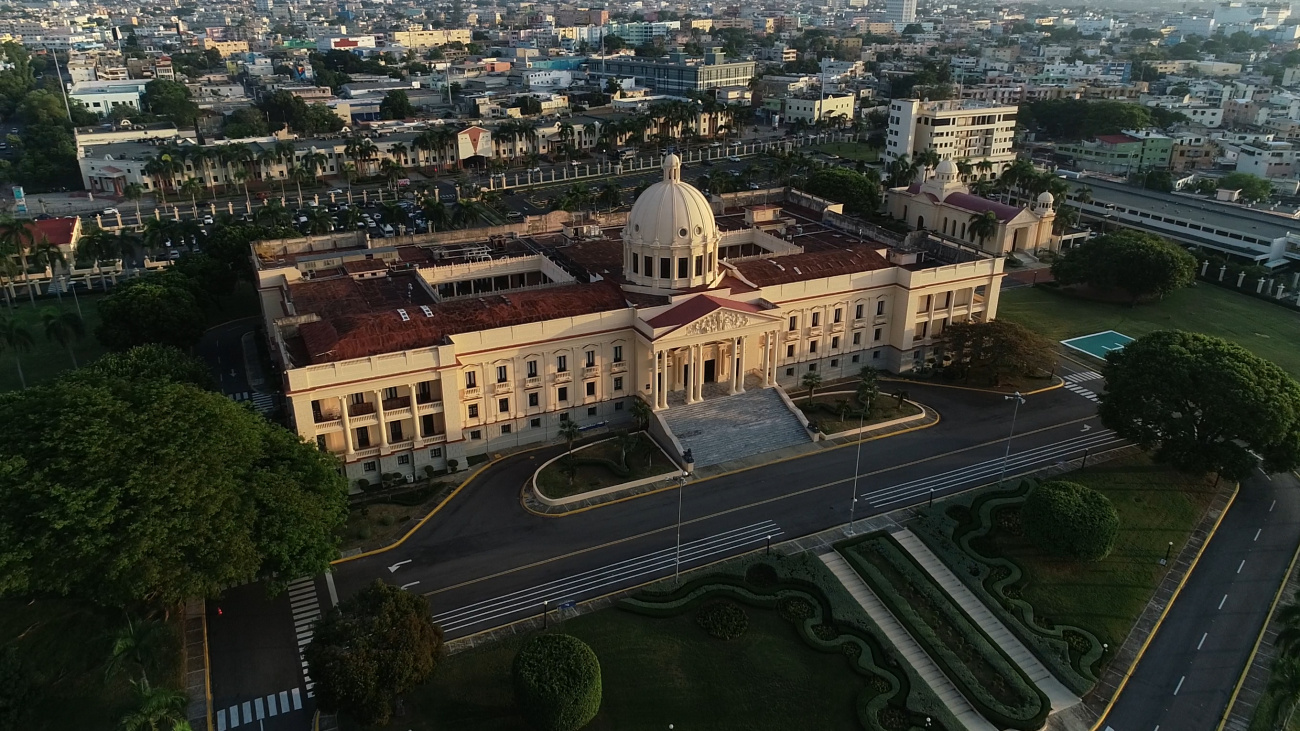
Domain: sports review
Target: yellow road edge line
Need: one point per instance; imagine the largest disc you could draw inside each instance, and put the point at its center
(1164, 613)
(431, 513)
(207, 669)
(1060, 383)
(567, 513)
(1259, 640)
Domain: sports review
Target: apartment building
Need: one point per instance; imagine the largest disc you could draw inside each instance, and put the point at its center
(957, 129)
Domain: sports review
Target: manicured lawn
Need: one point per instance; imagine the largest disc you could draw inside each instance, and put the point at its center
(63, 646)
(1268, 331)
(656, 672)
(47, 359)
(885, 408)
(856, 151)
(645, 460)
(1156, 505)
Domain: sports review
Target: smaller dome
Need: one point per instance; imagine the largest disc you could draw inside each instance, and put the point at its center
(1046, 198)
(946, 167)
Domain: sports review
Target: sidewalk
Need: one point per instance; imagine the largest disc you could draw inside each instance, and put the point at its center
(906, 646)
(1060, 696)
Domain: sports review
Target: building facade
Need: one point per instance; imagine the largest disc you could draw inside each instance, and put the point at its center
(677, 75)
(957, 129)
(398, 358)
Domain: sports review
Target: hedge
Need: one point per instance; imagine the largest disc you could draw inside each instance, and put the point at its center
(557, 682)
(723, 620)
(992, 578)
(1070, 520)
(887, 569)
(896, 698)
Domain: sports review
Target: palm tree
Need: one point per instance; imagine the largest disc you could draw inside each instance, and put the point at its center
(392, 171)
(902, 171)
(302, 174)
(348, 217)
(134, 192)
(17, 239)
(569, 432)
(64, 328)
(468, 213)
(1284, 687)
(811, 380)
(17, 339)
(611, 195)
(982, 226)
(192, 188)
(361, 150)
(136, 643)
(319, 221)
(272, 214)
(436, 214)
(642, 413)
(157, 709)
(398, 151)
(47, 255)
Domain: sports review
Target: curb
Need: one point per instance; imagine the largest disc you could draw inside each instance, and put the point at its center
(1058, 382)
(1165, 612)
(1254, 650)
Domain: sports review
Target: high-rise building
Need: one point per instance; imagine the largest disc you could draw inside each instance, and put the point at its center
(957, 129)
(264, 5)
(900, 11)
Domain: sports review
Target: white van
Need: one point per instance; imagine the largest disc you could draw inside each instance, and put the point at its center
(387, 228)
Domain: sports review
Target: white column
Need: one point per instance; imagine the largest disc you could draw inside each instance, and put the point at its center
(732, 352)
(697, 374)
(654, 378)
(739, 363)
(379, 411)
(348, 447)
(771, 360)
(688, 375)
(763, 357)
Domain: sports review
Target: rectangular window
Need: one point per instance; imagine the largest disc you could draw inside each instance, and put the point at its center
(562, 393)
(812, 346)
(880, 307)
(473, 411)
(591, 411)
(535, 423)
(699, 266)
(564, 418)
(835, 362)
(857, 312)
(501, 374)
(789, 371)
(649, 267)
(390, 393)
(591, 388)
(532, 369)
(665, 268)
(426, 425)
(471, 379)
(618, 405)
(591, 358)
(835, 342)
(436, 452)
(875, 355)
(395, 431)
(876, 335)
(789, 351)
(618, 383)
(562, 363)
(857, 338)
(816, 319)
(369, 466)
(857, 358)
(363, 437)
(503, 405)
(403, 459)
(532, 400)
(476, 434)
(683, 267)
(505, 428)
(794, 323)
(922, 329)
(838, 314)
(618, 353)
(636, 264)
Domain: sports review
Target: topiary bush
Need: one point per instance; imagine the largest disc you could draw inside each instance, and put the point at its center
(724, 620)
(1070, 520)
(557, 682)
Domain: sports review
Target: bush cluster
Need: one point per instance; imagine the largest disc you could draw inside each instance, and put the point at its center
(723, 620)
(557, 682)
(1070, 520)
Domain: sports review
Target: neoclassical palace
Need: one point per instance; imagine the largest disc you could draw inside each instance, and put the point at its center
(403, 353)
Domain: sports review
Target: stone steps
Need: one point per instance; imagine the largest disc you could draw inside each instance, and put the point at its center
(1060, 696)
(912, 653)
(733, 427)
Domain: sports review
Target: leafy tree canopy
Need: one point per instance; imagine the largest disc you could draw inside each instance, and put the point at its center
(1253, 188)
(859, 193)
(1139, 264)
(117, 491)
(156, 308)
(557, 682)
(1203, 404)
(283, 108)
(154, 362)
(1080, 119)
(375, 646)
(170, 99)
(996, 352)
(246, 122)
(396, 105)
(1070, 520)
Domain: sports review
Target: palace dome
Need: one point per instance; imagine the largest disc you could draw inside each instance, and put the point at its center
(670, 213)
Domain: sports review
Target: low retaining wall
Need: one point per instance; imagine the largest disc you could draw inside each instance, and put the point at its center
(803, 418)
(633, 484)
(878, 425)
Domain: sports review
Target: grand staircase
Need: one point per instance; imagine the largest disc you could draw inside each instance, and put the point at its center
(732, 427)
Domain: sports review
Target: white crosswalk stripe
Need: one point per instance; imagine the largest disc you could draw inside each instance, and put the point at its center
(263, 402)
(1090, 395)
(1082, 376)
(259, 709)
(304, 604)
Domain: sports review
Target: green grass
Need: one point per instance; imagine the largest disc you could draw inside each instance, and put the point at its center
(46, 359)
(1267, 330)
(554, 483)
(656, 672)
(62, 646)
(856, 151)
(884, 408)
(1156, 505)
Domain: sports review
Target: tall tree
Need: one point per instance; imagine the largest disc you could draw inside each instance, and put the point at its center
(1203, 404)
(17, 340)
(1138, 264)
(156, 308)
(375, 646)
(996, 352)
(100, 499)
(64, 328)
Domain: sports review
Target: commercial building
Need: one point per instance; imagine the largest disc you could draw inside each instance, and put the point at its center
(356, 44)
(1267, 159)
(101, 96)
(812, 108)
(401, 357)
(421, 39)
(225, 48)
(957, 129)
(678, 73)
(900, 11)
(1120, 154)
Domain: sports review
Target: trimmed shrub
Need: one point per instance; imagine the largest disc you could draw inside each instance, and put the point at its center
(1070, 520)
(723, 620)
(557, 682)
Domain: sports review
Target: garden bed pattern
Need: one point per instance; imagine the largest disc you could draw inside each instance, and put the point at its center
(597, 466)
(991, 681)
(802, 591)
(1071, 653)
(836, 412)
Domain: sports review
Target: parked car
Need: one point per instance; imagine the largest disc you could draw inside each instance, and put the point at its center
(336, 191)
(207, 220)
(109, 212)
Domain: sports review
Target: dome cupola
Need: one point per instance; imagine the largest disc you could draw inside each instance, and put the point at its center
(671, 238)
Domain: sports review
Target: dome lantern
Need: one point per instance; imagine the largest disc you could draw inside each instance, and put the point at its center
(671, 239)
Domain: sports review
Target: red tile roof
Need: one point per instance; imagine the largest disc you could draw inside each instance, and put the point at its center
(976, 204)
(57, 231)
(1117, 139)
(811, 265)
(695, 308)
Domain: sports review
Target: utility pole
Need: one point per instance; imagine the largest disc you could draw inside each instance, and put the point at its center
(1007, 457)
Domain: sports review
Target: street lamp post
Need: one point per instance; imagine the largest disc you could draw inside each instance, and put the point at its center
(857, 462)
(1016, 411)
(677, 564)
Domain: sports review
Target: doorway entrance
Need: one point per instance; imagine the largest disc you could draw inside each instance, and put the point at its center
(710, 371)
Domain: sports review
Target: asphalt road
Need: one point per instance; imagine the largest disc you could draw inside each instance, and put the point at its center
(220, 348)
(1187, 674)
(484, 561)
